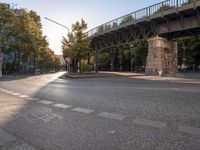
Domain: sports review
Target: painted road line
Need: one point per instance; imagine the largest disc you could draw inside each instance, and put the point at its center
(23, 96)
(45, 102)
(3, 90)
(16, 94)
(190, 130)
(23, 147)
(8, 92)
(83, 110)
(63, 106)
(151, 123)
(111, 115)
(32, 99)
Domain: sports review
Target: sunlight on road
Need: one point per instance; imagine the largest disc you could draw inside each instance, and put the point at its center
(43, 79)
(9, 108)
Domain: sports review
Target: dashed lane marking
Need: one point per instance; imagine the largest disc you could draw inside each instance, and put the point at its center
(83, 110)
(16, 94)
(8, 92)
(23, 96)
(32, 99)
(151, 123)
(190, 130)
(111, 116)
(155, 124)
(45, 102)
(63, 106)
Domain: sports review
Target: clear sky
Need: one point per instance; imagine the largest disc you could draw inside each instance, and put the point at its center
(66, 12)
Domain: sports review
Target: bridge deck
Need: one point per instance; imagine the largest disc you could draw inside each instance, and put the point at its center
(163, 12)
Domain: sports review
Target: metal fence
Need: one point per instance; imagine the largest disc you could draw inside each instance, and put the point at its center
(139, 14)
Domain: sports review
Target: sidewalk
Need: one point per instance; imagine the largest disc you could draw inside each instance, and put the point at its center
(181, 77)
(13, 77)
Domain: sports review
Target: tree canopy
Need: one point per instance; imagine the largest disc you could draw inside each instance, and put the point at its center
(21, 34)
(77, 46)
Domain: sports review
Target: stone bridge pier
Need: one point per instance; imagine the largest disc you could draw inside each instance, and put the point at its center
(162, 57)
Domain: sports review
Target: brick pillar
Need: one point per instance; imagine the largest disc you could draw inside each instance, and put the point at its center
(162, 57)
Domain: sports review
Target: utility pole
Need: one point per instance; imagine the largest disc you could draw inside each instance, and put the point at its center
(68, 61)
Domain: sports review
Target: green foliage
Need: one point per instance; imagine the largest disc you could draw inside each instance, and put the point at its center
(163, 8)
(77, 45)
(103, 59)
(114, 25)
(100, 28)
(21, 32)
(85, 67)
(188, 51)
(126, 19)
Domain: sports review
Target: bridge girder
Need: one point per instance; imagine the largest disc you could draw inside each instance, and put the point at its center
(171, 23)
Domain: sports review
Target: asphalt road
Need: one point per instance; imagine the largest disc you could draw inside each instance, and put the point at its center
(45, 112)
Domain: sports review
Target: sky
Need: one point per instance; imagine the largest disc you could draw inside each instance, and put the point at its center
(67, 12)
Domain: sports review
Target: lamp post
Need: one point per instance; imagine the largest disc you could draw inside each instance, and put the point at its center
(68, 61)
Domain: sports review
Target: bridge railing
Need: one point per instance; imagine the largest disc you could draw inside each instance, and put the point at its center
(139, 14)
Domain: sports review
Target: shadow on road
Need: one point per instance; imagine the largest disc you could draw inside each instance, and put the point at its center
(42, 126)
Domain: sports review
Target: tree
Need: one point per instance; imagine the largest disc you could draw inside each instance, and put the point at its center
(163, 8)
(77, 46)
(21, 33)
(103, 60)
(188, 51)
(126, 19)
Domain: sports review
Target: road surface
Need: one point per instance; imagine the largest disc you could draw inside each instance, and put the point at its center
(45, 112)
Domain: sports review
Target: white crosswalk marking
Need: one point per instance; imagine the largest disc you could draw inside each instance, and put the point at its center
(62, 106)
(190, 130)
(83, 110)
(23, 96)
(16, 94)
(151, 123)
(45, 102)
(111, 115)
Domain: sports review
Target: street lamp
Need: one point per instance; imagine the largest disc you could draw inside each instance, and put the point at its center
(57, 23)
(68, 61)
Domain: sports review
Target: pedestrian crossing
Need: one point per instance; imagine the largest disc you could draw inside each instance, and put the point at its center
(108, 115)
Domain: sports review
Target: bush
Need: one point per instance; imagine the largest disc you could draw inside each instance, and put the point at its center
(86, 68)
